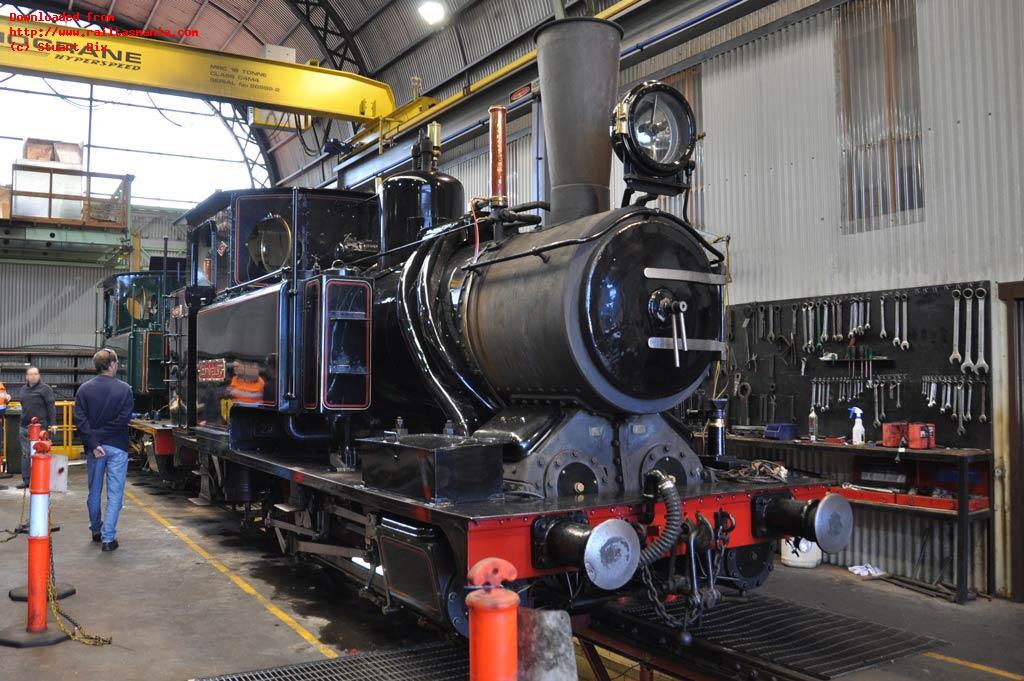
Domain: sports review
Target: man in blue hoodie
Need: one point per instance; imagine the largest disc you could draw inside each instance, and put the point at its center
(103, 408)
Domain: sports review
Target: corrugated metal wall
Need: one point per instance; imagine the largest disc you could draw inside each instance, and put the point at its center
(772, 159)
(55, 305)
(878, 103)
(772, 179)
(772, 163)
(153, 224)
(918, 546)
(470, 163)
(156, 223)
(48, 305)
(921, 547)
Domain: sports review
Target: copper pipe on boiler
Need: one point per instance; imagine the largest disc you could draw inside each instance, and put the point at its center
(499, 161)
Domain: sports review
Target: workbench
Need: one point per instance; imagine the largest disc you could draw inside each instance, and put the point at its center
(965, 512)
(160, 430)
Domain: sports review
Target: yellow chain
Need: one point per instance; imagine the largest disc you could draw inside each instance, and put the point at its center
(77, 632)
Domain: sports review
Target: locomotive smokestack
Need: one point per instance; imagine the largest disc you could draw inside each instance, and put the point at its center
(578, 62)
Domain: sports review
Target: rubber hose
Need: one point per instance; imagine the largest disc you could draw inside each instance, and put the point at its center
(528, 218)
(531, 205)
(673, 521)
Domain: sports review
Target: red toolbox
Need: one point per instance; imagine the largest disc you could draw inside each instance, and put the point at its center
(921, 436)
(979, 504)
(893, 433)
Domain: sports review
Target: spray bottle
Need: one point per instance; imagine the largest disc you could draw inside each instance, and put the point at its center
(858, 425)
(812, 425)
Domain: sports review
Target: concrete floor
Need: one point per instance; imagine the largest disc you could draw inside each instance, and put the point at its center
(173, 615)
(988, 633)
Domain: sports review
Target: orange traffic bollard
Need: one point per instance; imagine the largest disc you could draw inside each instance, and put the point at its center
(34, 427)
(39, 537)
(36, 632)
(40, 446)
(493, 627)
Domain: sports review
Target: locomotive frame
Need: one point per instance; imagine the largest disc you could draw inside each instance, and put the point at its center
(481, 386)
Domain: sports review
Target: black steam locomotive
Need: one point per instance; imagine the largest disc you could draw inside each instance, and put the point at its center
(399, 388)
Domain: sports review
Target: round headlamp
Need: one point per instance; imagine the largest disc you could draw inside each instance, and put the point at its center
(653, 127)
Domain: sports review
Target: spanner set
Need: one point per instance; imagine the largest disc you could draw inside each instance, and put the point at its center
(867, 350)
(954, 395)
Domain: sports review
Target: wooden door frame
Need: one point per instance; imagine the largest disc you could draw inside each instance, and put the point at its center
(1012, 293)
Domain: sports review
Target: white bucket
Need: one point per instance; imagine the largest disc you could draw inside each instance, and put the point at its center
(794, 557)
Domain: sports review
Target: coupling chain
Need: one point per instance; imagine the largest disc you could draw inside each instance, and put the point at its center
(21, 519)
(76, 633)
(659, 608)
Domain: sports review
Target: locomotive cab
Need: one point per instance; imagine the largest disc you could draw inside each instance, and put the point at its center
(282, 336)
(135, 314)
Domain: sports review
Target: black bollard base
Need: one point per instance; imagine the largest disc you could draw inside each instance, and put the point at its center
(20, 593)
(15, 636)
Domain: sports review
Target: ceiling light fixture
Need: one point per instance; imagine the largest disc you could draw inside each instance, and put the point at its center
(433, 12)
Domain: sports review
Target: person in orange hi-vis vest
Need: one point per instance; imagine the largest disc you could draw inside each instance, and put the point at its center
(246, 384)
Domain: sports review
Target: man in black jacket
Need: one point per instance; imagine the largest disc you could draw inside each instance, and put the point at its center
(103, 408)
(37, 401)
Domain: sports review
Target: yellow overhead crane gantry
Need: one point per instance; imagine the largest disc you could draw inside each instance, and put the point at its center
(162, 66)
(95, 56)
(421, 110)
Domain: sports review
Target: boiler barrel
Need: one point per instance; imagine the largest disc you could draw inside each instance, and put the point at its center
(573, 324)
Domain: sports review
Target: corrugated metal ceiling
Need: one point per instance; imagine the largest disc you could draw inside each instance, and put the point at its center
(239, 26)
(393, 40)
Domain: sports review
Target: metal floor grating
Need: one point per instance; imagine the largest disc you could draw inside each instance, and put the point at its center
(810, 641)
(785, 639)
(440, 661)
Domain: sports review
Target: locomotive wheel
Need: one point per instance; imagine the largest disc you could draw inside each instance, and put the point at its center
(458, 611)
(175, 476)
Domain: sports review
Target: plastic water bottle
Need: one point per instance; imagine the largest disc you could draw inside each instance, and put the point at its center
(858, 425)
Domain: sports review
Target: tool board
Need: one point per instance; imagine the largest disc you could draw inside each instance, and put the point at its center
(789, 376)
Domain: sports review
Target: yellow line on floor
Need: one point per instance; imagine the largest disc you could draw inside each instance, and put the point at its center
(306, 635)
(329, 653)
(974, 665)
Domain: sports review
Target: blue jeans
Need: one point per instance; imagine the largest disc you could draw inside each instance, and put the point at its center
(113, 467)
(26, 455)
